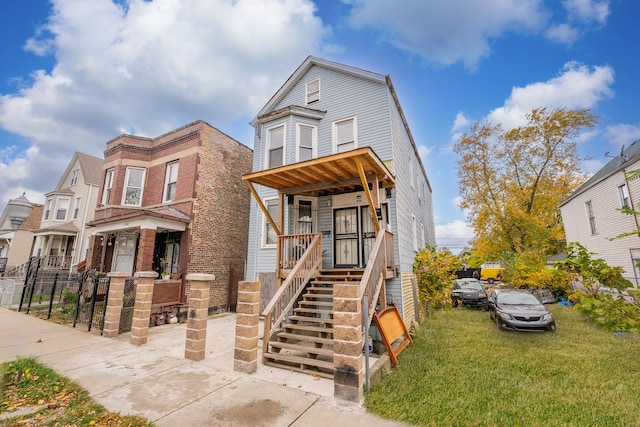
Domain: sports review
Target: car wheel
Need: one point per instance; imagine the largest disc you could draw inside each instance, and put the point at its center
(490, 280)
(454, 303)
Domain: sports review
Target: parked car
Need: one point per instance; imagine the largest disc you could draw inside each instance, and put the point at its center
(520, 310)
(469, 292)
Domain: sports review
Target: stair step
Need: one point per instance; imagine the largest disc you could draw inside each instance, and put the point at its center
(310, 349)
(311, 303)
(311, 319)
(303, 362)
(309, 338)
(309, 328)
(304, 310)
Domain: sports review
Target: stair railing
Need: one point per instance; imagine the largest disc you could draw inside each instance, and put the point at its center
(287, 294)
(373, 278)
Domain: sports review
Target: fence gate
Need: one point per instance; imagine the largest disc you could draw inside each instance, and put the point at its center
(91, 303)
(128, 302)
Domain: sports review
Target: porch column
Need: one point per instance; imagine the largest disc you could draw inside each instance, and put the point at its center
(145, 249)
(245, 354)
(348, 341)
(142, 307)
(197, 315)
(114, 304)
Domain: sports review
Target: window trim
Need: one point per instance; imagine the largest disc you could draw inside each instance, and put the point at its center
(76, 207)
(125, 185)
(309, 94)
(314, 140)
(108, 185)
(167, 183)
(591, 216)
(66, 212)
(334, 133)
(625, 200)
(47, 209)
(267, 160)
(266, 223)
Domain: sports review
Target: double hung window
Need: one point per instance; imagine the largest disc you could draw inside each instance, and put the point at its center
(108, 183)
(62, 208)
(313, 91)
(275, 150)
(170, 182)
(306, 142)
(134, 181)
(344, 135)
(591, 215)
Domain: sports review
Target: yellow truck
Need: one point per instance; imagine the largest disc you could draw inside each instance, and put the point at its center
(491, 274)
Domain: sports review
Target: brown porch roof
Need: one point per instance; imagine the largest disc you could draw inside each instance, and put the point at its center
(335, 174)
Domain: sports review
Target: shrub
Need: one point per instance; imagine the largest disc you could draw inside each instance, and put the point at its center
(435, 271)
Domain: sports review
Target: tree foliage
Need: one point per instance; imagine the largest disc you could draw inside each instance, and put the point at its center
(435, 270)
(511, 181)
(529, 270)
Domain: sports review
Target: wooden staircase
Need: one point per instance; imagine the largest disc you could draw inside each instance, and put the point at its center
(305, 342)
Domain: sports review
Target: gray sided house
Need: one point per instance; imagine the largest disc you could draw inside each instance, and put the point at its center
(591, 214)
(334, 158)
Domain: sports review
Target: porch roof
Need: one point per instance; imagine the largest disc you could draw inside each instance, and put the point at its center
(159, 217)
(68, 229)
(335, 174)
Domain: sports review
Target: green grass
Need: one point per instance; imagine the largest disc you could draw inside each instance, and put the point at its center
(463, 371)
(33, 394)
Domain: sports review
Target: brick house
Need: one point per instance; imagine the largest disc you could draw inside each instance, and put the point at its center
(175, 204)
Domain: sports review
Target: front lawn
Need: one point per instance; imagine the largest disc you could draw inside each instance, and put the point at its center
(461, 370)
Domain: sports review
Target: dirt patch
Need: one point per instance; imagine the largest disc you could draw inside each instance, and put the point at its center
(257, 413)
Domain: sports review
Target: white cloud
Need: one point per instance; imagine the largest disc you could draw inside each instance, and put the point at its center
(454, 235)
(587, 10)
(622, 134)
(562, 33)
(446, 32)
(460, 122)
(578, 86)
(150, 68)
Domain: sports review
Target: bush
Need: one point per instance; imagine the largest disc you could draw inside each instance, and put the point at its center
(435, 272)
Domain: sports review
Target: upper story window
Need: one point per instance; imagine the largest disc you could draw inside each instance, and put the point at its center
(275, 146)
(306, 140)
(47, 209)
(414, 230)
(108, 183)
(133, 182)
(62, 208)
(344, 135)
(74, 177)
(270, 237)
(591, 214)
(624, 195)
(313, 91)
(76, 207)
(170, 182)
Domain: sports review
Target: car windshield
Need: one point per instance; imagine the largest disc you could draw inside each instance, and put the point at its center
(517, 298)
(476, 286)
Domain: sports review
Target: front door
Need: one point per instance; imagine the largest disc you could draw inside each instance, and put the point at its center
(345, 225)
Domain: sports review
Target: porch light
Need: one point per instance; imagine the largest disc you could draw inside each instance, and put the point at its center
(18, 210)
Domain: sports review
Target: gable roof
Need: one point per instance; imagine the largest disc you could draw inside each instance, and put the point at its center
(91, 169)
(346, 69)
(619, 163)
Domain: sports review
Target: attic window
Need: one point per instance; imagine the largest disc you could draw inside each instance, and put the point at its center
(313, 91)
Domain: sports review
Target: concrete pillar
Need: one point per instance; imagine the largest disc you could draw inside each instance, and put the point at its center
(245, 354)
(348, 341)
(197, 315)
(114, 304)
(142, 308)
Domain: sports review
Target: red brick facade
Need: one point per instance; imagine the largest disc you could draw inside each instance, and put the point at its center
(211, 203)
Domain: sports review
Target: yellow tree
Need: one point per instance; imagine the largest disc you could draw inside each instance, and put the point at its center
(512, 181)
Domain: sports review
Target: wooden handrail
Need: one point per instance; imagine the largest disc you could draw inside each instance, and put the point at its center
(374, 276)
(285, 297)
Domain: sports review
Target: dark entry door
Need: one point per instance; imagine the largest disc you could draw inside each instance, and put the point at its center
(345, 226)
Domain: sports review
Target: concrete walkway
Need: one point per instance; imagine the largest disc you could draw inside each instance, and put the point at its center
(158, 383)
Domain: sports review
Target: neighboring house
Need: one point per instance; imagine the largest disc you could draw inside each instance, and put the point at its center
(62, 240)
(175, 204)
(592, 217)
(334, 157)
(16, 245)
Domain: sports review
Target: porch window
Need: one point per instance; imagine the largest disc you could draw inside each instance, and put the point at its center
(74, 177)
(592, 216)
(624, 196)
(170, 182)
(270, 237)
(133, 187)
(304, 217)
(344, 135)
(47, 209)
(61, 209)
(108, 183)
(76, 207)
(306, 142)
(275, 151)
(313, 91)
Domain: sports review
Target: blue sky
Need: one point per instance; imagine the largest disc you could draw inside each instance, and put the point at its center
(76, 74)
